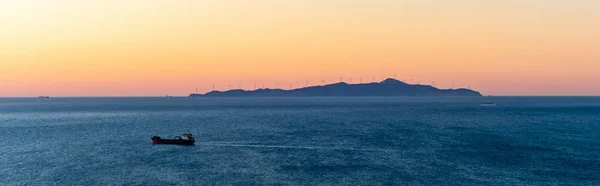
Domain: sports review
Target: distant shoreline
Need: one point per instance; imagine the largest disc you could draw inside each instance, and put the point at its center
(387, 88)
(183, 96)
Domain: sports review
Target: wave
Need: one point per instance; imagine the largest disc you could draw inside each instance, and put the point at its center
(222, 144)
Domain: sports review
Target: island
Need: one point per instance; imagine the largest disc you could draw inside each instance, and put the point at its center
(388, 88)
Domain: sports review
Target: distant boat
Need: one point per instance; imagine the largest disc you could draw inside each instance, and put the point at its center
(43, 97)
(489, 104)
(185, 139)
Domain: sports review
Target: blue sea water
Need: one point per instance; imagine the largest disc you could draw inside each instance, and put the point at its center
(301, 141)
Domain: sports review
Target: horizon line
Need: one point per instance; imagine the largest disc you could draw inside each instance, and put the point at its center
(184, 96)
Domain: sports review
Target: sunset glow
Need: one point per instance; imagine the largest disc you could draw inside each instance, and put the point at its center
(158, 47)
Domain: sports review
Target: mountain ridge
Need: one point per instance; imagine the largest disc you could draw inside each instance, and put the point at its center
(389, 87)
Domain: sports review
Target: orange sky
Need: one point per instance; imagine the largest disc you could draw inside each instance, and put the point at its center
(158, 47)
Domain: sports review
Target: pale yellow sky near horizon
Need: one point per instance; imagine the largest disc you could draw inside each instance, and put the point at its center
(159, 47)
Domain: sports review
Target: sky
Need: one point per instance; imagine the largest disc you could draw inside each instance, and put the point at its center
(160, 47)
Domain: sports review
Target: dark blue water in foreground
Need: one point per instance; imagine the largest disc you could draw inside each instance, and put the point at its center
(306, 141)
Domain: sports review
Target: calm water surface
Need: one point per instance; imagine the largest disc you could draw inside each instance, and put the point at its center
(301, 141)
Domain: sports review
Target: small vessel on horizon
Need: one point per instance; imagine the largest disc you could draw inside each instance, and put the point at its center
(184, 139)
(43, 97)
(489, 104)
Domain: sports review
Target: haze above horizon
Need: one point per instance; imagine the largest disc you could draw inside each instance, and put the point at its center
(157, 48)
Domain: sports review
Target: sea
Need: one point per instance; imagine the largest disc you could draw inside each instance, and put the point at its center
(301, 141)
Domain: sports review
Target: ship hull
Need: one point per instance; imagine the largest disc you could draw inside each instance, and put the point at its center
(159, 141)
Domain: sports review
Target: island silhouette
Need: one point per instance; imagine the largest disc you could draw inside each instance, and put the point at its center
(388, 87)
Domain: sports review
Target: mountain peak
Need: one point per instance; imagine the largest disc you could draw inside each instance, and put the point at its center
(340, 83)
(391, 80)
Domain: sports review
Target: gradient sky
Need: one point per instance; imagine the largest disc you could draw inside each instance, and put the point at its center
(159, 47)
